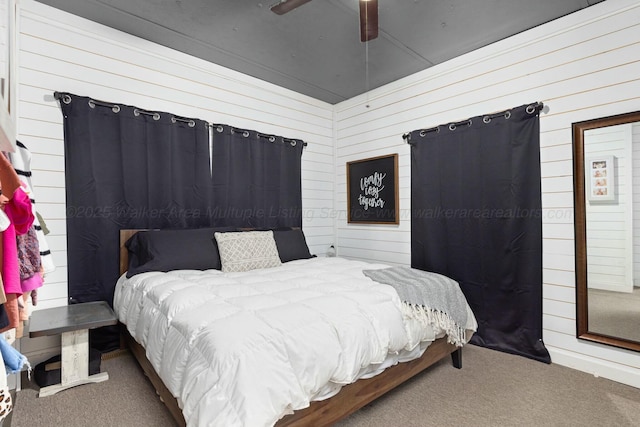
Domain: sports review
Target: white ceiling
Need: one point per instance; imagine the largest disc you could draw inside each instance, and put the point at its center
(315, 49)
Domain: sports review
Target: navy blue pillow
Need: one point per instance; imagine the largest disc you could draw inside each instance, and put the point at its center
(166, 250)
(291, 245)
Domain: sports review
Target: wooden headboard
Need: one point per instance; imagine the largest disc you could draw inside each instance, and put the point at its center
(124, 253)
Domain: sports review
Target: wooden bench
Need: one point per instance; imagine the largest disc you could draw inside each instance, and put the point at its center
(73, 322)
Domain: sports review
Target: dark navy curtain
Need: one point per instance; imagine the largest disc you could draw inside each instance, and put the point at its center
(126, 168)
(256, 179)
(477, 218)
(130, 168)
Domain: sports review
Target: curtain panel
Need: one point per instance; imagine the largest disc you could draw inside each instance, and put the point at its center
(256, 179)
(126, 168)
(130, 168)
(477, 218)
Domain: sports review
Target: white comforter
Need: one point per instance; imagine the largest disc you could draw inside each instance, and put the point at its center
(245, 349)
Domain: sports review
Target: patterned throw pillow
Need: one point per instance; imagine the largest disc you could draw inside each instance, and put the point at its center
(247, 250)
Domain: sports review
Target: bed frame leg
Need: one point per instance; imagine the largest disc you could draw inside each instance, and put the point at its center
(456, 358)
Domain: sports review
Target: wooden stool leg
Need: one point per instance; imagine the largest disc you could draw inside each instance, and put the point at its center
(74, 363)
(75, 356)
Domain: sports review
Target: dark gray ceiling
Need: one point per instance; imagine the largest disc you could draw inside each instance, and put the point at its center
(315, 49)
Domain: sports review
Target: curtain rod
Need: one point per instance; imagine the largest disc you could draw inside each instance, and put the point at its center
(530, 109)
(66, 98)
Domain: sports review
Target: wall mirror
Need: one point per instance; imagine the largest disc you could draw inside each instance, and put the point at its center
(606, 165)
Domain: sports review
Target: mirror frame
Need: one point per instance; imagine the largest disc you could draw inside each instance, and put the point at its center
(580, 224)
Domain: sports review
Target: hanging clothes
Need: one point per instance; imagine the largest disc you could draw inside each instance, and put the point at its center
(9, 184)
(14, 361)
(19, 211)
(6, 403)
(31, 274)
(4, 317)
(29, 260)
(21, 161)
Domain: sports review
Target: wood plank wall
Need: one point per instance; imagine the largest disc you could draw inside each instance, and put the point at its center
(609, 247)
(582, 66)
(61, 52)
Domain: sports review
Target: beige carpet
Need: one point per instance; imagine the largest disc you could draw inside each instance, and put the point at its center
(126, 399)
(614, 313)
(492, 389)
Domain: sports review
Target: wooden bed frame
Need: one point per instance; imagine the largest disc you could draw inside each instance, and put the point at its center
(320, 413)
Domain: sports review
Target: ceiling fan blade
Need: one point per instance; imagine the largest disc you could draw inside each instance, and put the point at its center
(368, 20)
(287, 5)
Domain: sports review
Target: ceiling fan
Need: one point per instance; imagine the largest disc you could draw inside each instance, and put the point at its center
(368, 15)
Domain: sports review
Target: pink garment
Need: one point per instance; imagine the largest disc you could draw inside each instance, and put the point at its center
(33, 282)
(18, 209)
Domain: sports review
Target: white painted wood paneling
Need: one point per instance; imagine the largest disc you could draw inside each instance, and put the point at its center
(609, 256)
(582, 66)
(62, 52)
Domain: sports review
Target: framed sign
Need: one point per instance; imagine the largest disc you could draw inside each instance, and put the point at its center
(372, 190)
(600, 179)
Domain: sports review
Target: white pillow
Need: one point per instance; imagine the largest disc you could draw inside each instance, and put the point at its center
(247, 250)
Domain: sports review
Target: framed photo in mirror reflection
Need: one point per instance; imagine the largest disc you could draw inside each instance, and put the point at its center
(600, 177)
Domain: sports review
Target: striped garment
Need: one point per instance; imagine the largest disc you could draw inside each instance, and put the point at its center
(21, 161)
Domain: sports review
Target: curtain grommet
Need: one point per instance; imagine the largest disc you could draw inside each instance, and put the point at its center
(452, 126)
(154, 115)
(272, 138)
(219, 129)
(66, 99)
(469, 123)
(530, 109)
(245, 134)
(486, 119)
(424, 132)
(293, 143)
(92, 104)
(115, 109)
(507, 115)
(189, 122)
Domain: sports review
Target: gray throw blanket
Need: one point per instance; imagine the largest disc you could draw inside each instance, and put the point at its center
(429, 297)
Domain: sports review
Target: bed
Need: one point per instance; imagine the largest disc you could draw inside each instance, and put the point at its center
(304, 342)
